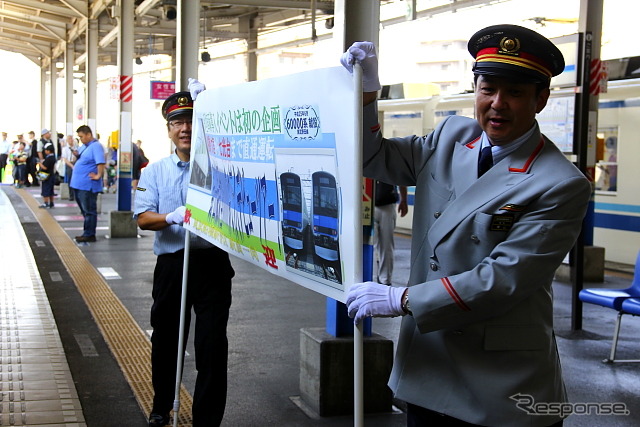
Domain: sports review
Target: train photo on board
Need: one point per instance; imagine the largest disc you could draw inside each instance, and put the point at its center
(294, 212)
(325, 216)
(310, 218)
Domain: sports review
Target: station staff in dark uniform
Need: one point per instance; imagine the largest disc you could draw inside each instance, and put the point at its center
(160, 206)
(476, 344)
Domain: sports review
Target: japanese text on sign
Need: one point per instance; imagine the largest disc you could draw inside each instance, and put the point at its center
(244, 121)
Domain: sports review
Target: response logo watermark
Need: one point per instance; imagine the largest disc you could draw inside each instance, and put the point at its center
(527, 403)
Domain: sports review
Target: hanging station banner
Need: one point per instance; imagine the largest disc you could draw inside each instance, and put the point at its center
(162, 90)
(276, 176)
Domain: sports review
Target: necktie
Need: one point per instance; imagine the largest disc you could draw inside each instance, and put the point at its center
(486, 161)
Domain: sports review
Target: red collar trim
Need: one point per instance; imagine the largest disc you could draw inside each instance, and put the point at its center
(472, 144)
(531, 158)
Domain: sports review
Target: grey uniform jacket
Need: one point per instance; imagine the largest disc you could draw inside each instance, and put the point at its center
(480, 345)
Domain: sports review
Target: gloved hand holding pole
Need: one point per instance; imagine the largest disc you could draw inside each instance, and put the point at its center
(195, 87)
(371, 299)
(177, 216)
(365, 54)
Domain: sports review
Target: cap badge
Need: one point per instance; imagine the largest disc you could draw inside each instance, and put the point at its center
(509, 45)
(182, 101)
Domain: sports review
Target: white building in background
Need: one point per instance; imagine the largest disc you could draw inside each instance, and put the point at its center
(446, 63)
(430, 50)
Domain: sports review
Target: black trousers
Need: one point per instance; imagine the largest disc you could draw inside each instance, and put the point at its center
(3, 165)
(418, 416)
(209, 296)
(33, 170)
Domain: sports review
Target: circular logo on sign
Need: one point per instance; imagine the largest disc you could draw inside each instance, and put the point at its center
(302, 122)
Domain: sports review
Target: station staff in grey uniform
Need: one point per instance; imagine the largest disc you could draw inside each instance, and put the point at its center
(476, 345)
(160, 206)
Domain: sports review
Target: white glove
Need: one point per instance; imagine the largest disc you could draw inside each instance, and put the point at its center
(195, 87)
(370, 299)
(177, 216)
(365, 54)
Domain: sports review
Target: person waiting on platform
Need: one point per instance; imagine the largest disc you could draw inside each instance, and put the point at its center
(47, 175)
(140, 162)
(44, 140)
(5, 147)
(112, 175)
(86, 181)
(387, 196)
(32, 162)
(67, 156)
(160, 206)
(497, 207)
(20, 157)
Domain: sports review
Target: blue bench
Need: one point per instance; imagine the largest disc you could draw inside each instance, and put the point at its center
(624, 301)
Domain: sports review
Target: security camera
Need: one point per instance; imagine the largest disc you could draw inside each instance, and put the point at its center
(328, 23)
(205, 56)
(170, 12)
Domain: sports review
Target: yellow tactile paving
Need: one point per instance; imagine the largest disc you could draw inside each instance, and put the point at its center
(127, 341)
(36, 387)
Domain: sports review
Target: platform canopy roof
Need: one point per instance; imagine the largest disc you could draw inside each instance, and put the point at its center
(41, 29)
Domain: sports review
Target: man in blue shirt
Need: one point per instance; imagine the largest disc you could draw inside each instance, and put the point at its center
(159, 206)
(87, 180)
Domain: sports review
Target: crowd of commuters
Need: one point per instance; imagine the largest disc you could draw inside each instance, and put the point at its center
(24, 157)
(21, 160)
(81, 163)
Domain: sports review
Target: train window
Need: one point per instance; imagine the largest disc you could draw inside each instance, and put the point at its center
(607, 164)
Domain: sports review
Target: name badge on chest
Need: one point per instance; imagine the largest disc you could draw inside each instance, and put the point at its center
(501, 222)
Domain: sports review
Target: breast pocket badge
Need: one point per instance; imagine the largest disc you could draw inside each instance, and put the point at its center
(501, 222)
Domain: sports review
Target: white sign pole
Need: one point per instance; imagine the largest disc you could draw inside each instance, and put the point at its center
(183, 306)
(358, 358)
(358, 343)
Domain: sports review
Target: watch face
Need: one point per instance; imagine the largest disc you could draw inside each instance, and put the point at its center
(405, 303)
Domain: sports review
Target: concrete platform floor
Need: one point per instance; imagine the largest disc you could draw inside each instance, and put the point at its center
(264, 327)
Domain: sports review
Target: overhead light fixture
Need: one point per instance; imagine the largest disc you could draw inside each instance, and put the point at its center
(138, 60)
(204, 56)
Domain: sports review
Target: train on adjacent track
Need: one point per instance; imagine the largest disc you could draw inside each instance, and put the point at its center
(616, 201)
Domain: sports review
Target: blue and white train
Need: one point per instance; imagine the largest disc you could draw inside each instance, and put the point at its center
(616, 216)
(294, 212)
(325, 216)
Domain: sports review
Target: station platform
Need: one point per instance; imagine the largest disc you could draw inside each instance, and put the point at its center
(74, 330)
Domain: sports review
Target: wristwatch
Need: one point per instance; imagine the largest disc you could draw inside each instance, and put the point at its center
(405, 303)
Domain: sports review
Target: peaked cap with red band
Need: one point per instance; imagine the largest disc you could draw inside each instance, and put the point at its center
(176, 105)
(515, 52)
